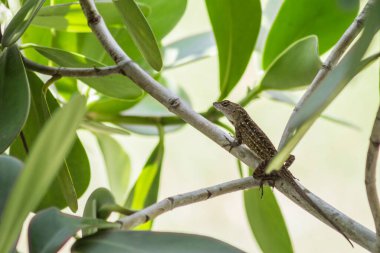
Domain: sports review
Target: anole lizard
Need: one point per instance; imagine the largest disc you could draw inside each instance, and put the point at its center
(249, 133)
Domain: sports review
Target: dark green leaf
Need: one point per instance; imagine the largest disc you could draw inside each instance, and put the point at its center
(140, 31)
(236, 25)
(101, 204)
(42, 165)
(329, 88)
(117, 86)
(50, 229)
(118, 165)
(14, 96)
(266, 221)
(327, 19)
(20, 22)
(145, 191)
(295, 67)
(157, 242)
(77, 166)
(189, 49)
(10, 168)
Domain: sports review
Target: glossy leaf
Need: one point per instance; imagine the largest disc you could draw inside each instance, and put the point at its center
(69, 17)
(20, 22)
(140, 32)
(329, 88)
(42, 165)
(50, 229)
(145, 190)
(189, 49)
(14, 96)
(327, 19)
(108, 105)
(76, 164)
(296, 67)
(10, 169)
(144, 241)
(101, 204)
(266, 221)
(118, 165)
(236, 25)
(117, 86)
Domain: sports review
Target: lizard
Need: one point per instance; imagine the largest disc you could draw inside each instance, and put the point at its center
(249, 133)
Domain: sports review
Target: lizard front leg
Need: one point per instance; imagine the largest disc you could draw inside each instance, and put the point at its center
(238, 140)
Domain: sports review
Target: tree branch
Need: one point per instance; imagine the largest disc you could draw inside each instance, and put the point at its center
(72, 72)
(370, 172)
(351, 228)
(184, 199)
(336, 53)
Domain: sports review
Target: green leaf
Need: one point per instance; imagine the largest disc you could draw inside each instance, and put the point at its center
(50, 229)
(14, 96)
(100, 128)
(101, 204)
(20, 22)
(266, 221)
(107, 105)
(145, 191)
(10, 169)
(189, 49)
(76, 164)
(69, 17)
(329, 88)
(236, 25)
(327, 19)
(145, 241)
(41, 166)
(116, 85)
(295, 67)
(118, 165)
(140, 31)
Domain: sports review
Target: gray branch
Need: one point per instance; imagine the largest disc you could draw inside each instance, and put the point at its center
(170, 203)
(71, 72)
(354, 230)
(370, 172)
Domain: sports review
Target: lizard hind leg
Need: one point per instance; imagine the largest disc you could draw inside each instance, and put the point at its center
(259, 174)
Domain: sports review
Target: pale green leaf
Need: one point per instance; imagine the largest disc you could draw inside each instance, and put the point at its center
(42, 165)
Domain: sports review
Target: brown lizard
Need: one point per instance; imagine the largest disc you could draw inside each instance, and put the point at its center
(249, 133)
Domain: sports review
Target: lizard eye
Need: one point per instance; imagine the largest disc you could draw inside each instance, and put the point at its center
(225, 103)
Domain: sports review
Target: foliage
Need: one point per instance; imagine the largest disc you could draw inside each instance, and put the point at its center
(43, 164)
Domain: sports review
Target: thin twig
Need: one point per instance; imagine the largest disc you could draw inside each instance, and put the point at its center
(351, 228)
(336, 53)
(72, 72)
(370, 172)
(184, 199)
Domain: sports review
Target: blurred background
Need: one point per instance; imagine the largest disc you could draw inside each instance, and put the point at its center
(330, 159)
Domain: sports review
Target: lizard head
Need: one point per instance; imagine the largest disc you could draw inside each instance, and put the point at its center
(231, 110)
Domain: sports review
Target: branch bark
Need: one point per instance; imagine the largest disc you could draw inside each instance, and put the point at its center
(354, 230)
(336, 53)
(188, 198)
(370, 172)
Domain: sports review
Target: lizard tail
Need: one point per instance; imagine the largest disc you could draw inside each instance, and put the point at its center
(290, 180)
